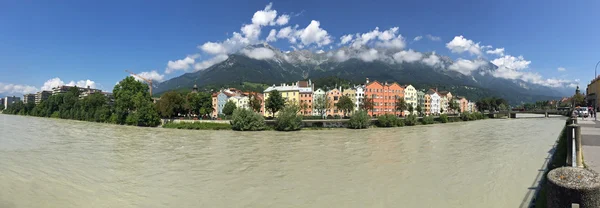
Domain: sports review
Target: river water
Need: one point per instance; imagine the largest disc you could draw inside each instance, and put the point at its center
(62, 163)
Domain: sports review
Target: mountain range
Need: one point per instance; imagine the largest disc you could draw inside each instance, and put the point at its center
(277, 66)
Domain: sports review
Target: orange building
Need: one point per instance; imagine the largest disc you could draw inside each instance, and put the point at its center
(427, 104)
(384, 97)
(305, 89)
(463, 103)
(334, 97)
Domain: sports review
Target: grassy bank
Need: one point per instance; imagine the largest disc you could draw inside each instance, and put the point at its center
(559, 159)
(198, 126)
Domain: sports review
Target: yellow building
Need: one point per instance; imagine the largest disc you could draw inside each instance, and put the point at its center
(593, 93)
(351, 93)
(410, 96)
(289, 93)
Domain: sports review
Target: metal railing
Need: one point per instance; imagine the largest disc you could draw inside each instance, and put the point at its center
(574, 151)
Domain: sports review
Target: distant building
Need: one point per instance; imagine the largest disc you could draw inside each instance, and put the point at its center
(421, 100)
(240, 101)
(435, 102)
(306, 88)
(410, 96)
(334, 97)
(427, 108)
(351, 93)
(317, 94)
(84, 92)
(29, 98)
(360, 96)
(463, 103)
(41, 96)
(384, 97)
(11, 100)
(289, 93)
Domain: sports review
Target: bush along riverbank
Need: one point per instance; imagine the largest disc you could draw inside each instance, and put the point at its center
(198, 126)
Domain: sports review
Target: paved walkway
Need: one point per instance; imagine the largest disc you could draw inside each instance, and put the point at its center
(590, 139)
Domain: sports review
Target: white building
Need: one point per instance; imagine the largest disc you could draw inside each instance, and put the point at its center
(360, 96)
(240, 101)
(316, 94)
(434, 107)
(410, 96)
(471, 107)
(11, 100)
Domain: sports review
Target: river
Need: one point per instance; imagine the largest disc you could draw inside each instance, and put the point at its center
(63, 163)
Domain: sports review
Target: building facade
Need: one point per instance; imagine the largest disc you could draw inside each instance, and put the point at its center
(410, 96)
(427, 108)
(421, 100)
(240, 101)
(318, 94)
(435, 102)
(8, 101)
(360, 96)
(29, 98)
(41, 96)
(334, 97)
(384, 97)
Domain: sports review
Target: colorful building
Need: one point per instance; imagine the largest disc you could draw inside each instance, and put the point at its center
(421, 100)
(240, 101)
(427, 108)
(384, 97)
(463, 103)
(360, 96)
(410, 96)
(306, 97)
(334, 97)
(435, 103)
(351, 93)
(318, 94)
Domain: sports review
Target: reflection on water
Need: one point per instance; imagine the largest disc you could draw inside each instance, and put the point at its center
(61, 163)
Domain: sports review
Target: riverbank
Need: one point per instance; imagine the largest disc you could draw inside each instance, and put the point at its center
(323, 124)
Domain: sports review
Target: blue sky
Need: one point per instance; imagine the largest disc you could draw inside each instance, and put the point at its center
(43, 44)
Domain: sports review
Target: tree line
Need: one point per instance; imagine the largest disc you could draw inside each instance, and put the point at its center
(132, 106)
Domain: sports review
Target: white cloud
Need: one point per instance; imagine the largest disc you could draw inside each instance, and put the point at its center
(272, 36)
(259, 53)
(208, 63)
(432, 60)
(15, 89)
(151, 75)
(265, 17)
(341, 56)
(497, 51)
(407, 56)
(510, 67)
(251, 31)
(283, 19)
(433, 38)
(561, 69)
(466, 66)
(55, 82)
(346, 39)
(314, 34)
(320, 51)
(213, 48)
(369, 55)
(418, 38)
(385, 39)
(182, 64)
(460, 44)
(284, 32)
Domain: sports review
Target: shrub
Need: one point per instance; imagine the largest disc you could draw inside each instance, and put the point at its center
(479, 115)
(465, 116)
(444, 118)
(288, 119)
(359, 120)
(247, 120)
(410, 120)
(198, 125)
(427, 120)
(337, 117)
(387, 120)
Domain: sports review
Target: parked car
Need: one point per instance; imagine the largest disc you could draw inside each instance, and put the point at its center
(583, 112)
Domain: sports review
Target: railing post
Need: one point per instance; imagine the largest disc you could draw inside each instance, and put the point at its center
(570, 138)
(578, 150)
(568, 185)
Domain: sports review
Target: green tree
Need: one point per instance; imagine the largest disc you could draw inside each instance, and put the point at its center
(275, 102)
(368, 105)
(411, 109)
(503, 107)
(401, 104)
(199, 103)
(345, 104)
(288, 119)
(579, 100)
(170, 104)
(2, 107)
(321, 104)
(133, 104)
(229, 108)
(359, 120)
(419, 110)
(255, 103)
(453, 106)
(247, 120)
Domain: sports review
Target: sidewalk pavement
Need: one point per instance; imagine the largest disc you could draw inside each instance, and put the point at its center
(590, 140)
